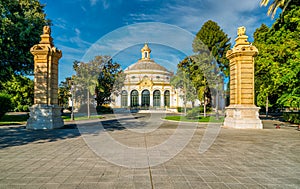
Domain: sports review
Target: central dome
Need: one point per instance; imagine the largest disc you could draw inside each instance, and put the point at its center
(146, 63)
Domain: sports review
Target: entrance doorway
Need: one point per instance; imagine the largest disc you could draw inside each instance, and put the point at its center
(145, 98)
(156, 98)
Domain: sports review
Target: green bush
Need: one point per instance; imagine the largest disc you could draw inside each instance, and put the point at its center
(21, 108)
(293, 117)
(208, 109)
(193, 113)
(25, 108)
(181, 109)
(5, 103)
(104, 110)
(201, 108)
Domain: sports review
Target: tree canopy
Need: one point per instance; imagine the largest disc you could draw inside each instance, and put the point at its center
(110, 81)
(216, 42)
(100, 77)
(181, 80)
(21, 24)
(21, 90)
(208, 61)
(64, 92)
(277, 69)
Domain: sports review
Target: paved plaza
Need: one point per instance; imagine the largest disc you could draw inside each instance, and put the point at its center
(64, 158)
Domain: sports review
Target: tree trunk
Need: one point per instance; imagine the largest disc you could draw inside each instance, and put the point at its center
(184, 104)
(217, 105)
(267, 106)
(204, 107)
(88, 104)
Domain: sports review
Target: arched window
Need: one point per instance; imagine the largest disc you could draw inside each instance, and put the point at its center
(156, 98)
(167, 98)
(145, 98)
(124, 99)
(134, 98)
(146, 54)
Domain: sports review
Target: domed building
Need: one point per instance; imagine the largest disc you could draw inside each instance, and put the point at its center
(147, 85)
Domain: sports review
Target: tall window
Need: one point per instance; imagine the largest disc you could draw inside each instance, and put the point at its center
(156, 98)
(145, 98)
(124, 97)
(134, 98)
(167, 98)
(146, 54)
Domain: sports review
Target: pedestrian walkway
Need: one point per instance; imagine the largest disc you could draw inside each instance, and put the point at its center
(66, 158)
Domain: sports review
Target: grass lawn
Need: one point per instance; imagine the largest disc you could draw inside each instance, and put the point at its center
(14, 119)
(77, 118)
(200, 119)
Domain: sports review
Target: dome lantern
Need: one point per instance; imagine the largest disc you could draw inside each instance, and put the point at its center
(146, 52)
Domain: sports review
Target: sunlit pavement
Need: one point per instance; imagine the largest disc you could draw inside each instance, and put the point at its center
(61, 158)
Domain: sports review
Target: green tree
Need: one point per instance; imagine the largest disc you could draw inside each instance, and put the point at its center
(100, 77)
(110, 81)
(86, 80)
(64, 92)
(277, 65)
(202, 75)
(181, 80)
(21, 23)
(209, 61)
(21, 90)
(216, 41)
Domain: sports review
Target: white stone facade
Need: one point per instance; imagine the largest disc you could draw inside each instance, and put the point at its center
(147, 85)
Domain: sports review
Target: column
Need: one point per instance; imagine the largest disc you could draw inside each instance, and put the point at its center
(162, 101)
(140, 98)
(45, 113)
(128, 98)
(242, 113)
(151, 98)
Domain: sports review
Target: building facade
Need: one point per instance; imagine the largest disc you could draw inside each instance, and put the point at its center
(147, 85)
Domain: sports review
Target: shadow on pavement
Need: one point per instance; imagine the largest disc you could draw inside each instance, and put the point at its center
(16, 136)
(19, 135)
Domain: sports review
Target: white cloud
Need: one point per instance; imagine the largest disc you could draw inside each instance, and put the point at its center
(105, 3)
(93, 2)
(170, 44)
(77, 31)
(60, 23)
(191, 15)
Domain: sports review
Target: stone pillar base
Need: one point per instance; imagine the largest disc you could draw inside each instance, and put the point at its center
(44, 116)
(242, 117)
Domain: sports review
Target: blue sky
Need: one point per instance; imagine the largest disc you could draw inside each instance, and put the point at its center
(83, 28)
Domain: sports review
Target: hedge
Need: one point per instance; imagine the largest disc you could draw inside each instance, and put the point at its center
(293, 117)
(5, 103)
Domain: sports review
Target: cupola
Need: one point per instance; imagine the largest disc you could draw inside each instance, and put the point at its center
(146, 52)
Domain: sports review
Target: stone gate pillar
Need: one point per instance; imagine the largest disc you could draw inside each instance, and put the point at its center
(45, 113)
(242, 113)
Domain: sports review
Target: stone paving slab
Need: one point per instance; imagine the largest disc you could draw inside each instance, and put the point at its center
(61, 158)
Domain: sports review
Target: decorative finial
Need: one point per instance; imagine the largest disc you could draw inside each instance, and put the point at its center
(46, 30)
(241, 31)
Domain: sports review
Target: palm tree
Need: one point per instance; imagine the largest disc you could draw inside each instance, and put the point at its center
(274, 5)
